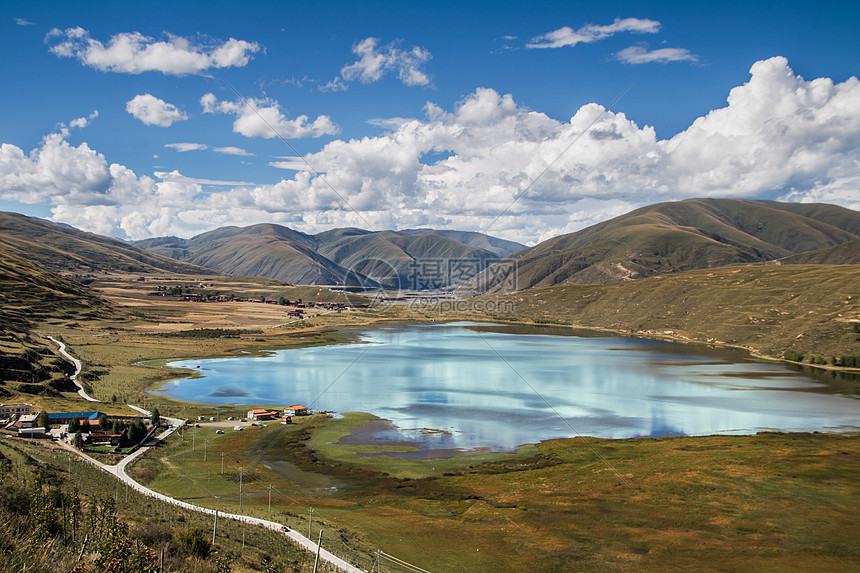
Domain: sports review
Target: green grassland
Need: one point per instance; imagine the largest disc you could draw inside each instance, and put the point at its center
(769, 502)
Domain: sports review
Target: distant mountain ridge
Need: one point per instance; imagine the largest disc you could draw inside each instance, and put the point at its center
(679, 236)
(344, 256)
(657, 239)
(60, 248)
(500, 247)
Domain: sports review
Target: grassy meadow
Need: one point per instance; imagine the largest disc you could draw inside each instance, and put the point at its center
(769, 502)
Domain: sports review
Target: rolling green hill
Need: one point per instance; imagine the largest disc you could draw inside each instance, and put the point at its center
(29, 295)
(62, 248)
(680, 236)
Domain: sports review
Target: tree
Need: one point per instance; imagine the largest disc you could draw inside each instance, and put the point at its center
(75, 425)
(104, 425)
(43, 420)
(282, 301)
(135, 431)
(78, 441)
(156, 417)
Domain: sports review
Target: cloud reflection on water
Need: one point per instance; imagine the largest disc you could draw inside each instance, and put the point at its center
(446, 377)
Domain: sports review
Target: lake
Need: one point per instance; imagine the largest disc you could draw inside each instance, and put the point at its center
(464, 385)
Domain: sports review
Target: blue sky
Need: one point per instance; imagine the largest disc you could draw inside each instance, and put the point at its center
(145, 119)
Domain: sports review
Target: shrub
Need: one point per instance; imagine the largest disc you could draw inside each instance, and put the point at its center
(194, 541)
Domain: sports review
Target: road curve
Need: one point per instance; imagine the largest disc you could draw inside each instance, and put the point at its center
(119, 471)
(74, 377)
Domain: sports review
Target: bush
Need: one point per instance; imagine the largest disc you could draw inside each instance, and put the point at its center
(793, 356)
(194, 540)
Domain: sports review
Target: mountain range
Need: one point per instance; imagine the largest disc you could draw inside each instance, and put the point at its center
(653, 240)
(345, 256)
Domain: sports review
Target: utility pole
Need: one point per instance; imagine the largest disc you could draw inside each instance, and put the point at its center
(222, 463)
(310, 521)
(270, 498)
(205, 443)
(240, 492)
(319, 546)
(214, 527)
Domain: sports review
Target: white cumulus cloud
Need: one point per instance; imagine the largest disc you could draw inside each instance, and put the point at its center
(135, 53)
(375, 61)
(779, 136)
(263, 118)
(154, 111)
(82, 122)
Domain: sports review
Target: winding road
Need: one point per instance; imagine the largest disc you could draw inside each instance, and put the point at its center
(119, 470)
(74, 377)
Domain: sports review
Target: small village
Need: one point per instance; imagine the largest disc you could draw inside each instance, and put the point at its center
(93, 429)
(186, 293)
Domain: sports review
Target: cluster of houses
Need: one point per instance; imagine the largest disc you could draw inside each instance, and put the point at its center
(285, 416)
(205, 297)
(21, 420)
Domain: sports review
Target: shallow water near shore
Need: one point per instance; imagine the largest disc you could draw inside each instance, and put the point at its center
(460, 386)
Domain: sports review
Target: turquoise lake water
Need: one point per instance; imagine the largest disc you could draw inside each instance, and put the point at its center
(465, 385)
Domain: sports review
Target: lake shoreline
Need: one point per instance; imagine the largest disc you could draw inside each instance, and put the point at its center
(663, 355)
